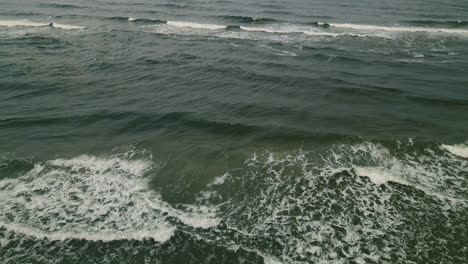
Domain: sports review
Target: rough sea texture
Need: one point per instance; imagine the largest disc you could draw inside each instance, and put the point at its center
(233, 131)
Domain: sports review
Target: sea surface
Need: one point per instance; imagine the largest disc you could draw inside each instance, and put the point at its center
(233, 131)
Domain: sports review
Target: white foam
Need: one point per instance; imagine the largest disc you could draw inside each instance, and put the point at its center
(93, 198)
(377, 175)
(459, 150)
(195, 25)
(21, 23)
(219, 180)
(398, 28)
(131, 19)
(161, 235)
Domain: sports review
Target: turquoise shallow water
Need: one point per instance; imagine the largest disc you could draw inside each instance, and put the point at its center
(233, 132)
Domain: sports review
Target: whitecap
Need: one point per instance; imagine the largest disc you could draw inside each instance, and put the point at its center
(195, 25)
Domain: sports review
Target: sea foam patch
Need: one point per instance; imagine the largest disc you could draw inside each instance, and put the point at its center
(93, 198)
(459, 149)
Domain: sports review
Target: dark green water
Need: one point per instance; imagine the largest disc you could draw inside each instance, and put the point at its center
(233, 131)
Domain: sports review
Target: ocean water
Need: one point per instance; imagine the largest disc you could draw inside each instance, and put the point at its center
(233, 131)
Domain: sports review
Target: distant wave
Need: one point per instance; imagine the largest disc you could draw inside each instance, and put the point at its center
(431, 23)
(196, 25)
(274, 29)
(297, 30)
(248, 19)
(303, 27)
(27, 23)
(398, 28)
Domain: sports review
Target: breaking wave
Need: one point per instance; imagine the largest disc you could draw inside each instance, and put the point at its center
(27, 23)
(195, 25)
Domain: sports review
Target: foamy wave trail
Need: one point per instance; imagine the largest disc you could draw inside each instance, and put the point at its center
(399, 28)
(195, 25)
(94, 198)
(297, 30)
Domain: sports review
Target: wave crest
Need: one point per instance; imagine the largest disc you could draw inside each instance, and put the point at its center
(27, 23)
(195, 25)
